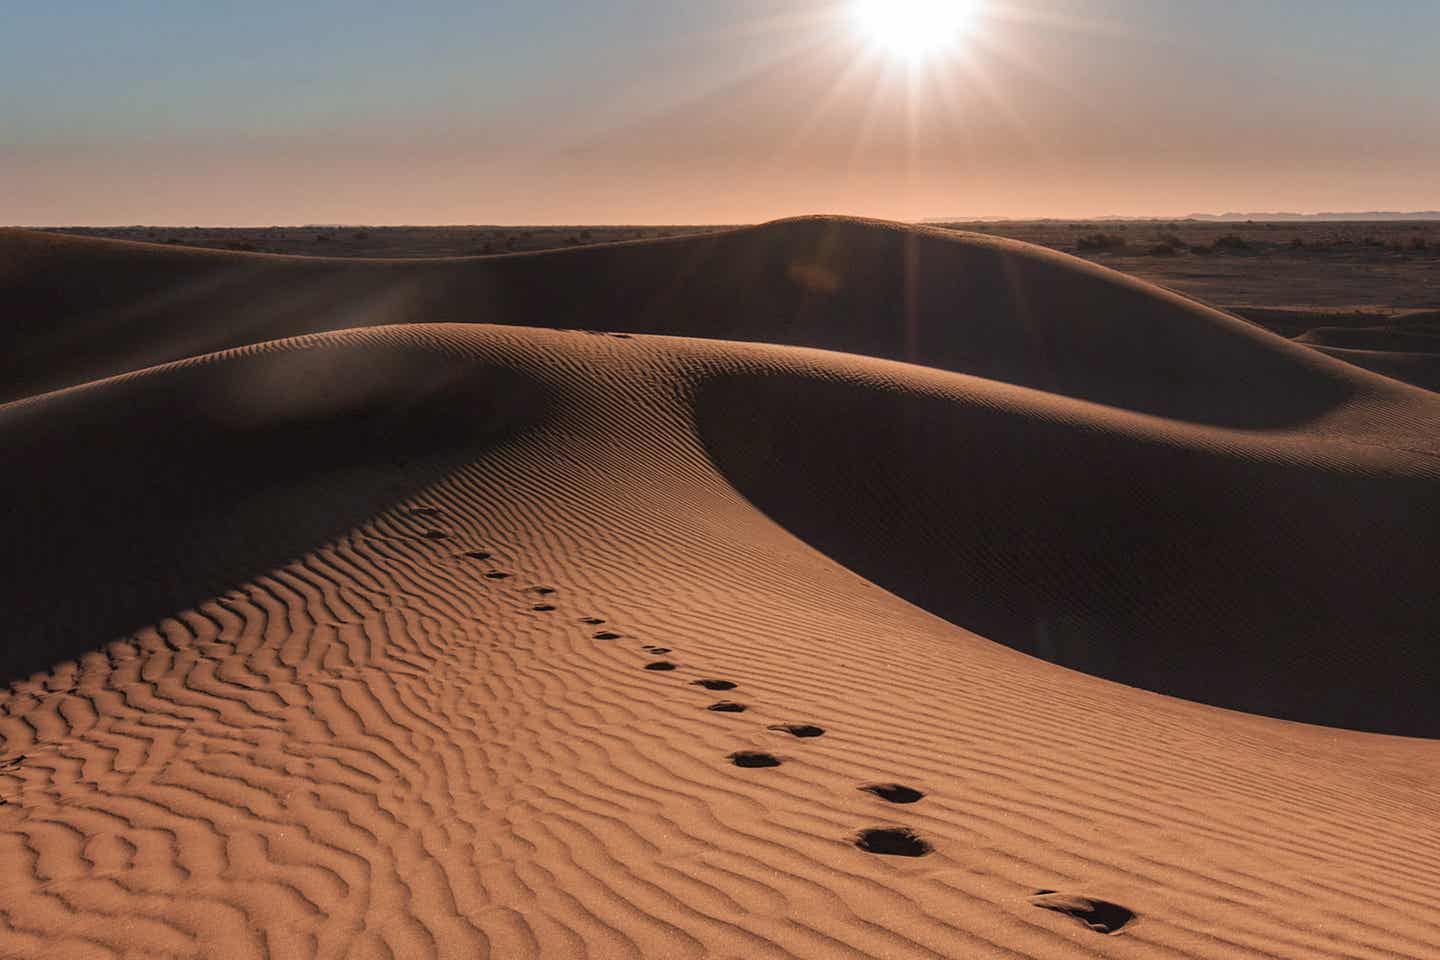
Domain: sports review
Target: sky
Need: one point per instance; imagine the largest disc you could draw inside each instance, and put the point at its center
(708, 111)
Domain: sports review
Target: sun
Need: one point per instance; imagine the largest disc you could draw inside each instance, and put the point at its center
(915, 29)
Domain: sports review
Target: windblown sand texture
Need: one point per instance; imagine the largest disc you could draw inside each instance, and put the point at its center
(987, 603)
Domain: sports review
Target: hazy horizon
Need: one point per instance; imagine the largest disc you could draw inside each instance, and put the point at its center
(553, 112)
(1197, 216)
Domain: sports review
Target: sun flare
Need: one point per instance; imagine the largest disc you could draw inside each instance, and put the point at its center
(915, 29)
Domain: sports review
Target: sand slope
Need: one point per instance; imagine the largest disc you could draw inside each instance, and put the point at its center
(400, 641)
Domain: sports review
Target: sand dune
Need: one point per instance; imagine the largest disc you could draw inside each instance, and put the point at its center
(87, 308)
(465, 639)
(1406, 348)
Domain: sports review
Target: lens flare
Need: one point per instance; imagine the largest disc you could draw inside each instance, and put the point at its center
(914, 29)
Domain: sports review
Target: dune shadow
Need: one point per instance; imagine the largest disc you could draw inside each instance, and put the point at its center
(1275, 587)
(128, 501)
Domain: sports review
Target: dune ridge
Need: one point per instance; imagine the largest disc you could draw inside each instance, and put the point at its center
(347, 644)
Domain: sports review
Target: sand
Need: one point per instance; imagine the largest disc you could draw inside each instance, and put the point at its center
(998, 606)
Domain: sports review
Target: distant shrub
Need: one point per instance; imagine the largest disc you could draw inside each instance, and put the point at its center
(1172, 239)
(1298, 243)
(1164, 250)
(322, 238)
(361, 235)
(1231, 241)
(585, 235)
(1417, 243)
(1091, 242)
(244, 247)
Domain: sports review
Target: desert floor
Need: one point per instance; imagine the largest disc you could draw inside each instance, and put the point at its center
(823, 588)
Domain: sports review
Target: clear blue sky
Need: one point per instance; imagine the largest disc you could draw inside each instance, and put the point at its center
(513, 111)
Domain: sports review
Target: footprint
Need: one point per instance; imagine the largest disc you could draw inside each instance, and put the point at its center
(715, 684)
(497, 575)
(542, 591)
(660, 665)
(435, 535)
(658, 651)
(892, 841)
(607, 635)
(727, 706)
(894, 792)
(798, 729)
(477, 554)
(753, 758)
(1102, 916)
(543, 607)
(7, 765)
(593, 621)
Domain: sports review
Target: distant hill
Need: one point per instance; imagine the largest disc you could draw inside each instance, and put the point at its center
(1368, 215)
(1363, 216)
